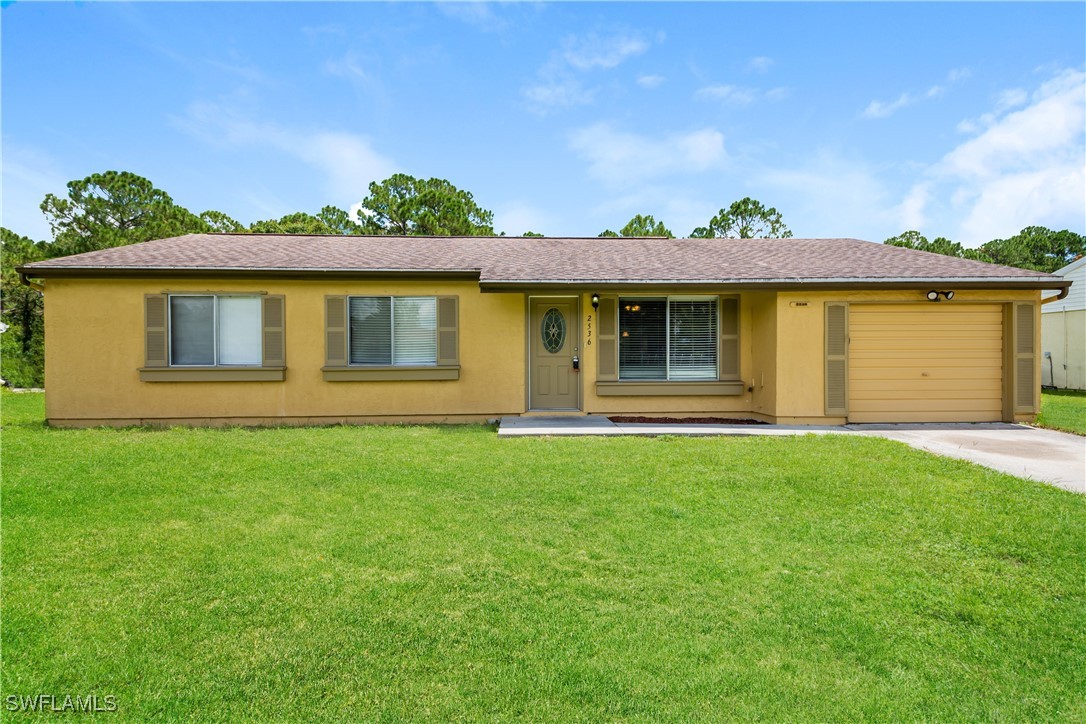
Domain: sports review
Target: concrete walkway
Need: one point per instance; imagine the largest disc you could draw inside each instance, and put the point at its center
(1058, 458)
(530, 426)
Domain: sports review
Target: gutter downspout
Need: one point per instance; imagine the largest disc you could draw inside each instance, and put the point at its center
(1062, 295)
(25, 281)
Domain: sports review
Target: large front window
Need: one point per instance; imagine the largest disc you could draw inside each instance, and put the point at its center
(214, 330)
(393, 330)
(673, 338)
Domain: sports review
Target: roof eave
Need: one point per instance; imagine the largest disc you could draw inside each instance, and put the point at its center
(99, 272)
(1035, 283)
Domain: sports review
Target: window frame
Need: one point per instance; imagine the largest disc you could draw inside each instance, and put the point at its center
(214, 331)
(392, 365)
(158, 349)
(667, 299)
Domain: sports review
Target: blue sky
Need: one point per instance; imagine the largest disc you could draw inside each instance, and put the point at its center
(960, 120)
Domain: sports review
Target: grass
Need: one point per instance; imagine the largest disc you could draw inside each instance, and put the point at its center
(439, 573)
(1063, 410)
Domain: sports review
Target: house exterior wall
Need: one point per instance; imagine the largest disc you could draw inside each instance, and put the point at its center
(1076, 295)
(1063, 333)
(1063, 340)
(95, 349)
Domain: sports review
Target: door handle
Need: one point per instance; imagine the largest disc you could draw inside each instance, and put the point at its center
(576, 362)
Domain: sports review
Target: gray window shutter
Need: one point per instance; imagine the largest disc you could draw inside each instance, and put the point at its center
(274, 332)
(836, 359)
(155, 331)
(607, 340)
(335, 331)
(1025, 391)
(448, 342)
(729, 338)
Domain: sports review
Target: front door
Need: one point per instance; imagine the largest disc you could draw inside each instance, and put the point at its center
(552, 345)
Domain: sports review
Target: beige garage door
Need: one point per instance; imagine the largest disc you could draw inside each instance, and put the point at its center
(925, 362)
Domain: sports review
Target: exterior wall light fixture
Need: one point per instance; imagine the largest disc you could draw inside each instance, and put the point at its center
(933, 296)
(595, 301)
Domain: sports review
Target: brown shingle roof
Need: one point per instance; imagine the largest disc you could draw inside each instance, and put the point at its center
(500, 261)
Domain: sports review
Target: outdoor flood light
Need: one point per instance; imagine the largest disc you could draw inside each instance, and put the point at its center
(933, 296)
(595, 301)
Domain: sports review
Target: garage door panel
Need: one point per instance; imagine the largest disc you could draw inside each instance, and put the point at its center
(907, 341)
(922, 331)
(982, 357)
(889, 371)
(934, 405)
(928, 416)
(865, 366)
(889, 395)
(989, 385)
(884, 313)
(911, 363)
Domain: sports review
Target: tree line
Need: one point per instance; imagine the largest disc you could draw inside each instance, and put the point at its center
(117, 208)
(1034, 247)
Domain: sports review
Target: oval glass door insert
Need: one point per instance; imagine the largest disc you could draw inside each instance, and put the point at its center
(553, 330)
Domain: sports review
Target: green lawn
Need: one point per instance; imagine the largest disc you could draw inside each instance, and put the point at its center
(439, 573)
(1063, 410)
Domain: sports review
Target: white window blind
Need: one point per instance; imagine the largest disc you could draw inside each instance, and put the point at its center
(240, 328)
(209, 330)
(414, 327)
(393, 330)
(192, 330)
(371, 330)
(692, 343)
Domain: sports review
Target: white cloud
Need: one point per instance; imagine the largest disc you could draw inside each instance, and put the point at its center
(316, 31)
(348, 161)
(879, 109)
(560, 84)
(957, 75)
(619, 158)
(1005, 100)
(1027, 166)
(28, 175)
(552, 94)
(827, 195)
(594, 51)
(1011, 98)
(477, 13)
(735, 95)
(1053, 124)
(650, 81)
(759, 64)
(885, 109)
(911, 210)
(517, 217)
(345, 67)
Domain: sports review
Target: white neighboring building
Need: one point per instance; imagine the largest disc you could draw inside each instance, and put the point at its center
(1063, 333)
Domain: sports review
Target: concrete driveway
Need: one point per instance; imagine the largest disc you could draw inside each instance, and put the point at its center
(1049, 456)
(1057, 458)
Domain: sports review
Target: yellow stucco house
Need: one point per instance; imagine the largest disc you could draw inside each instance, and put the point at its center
(259, 329)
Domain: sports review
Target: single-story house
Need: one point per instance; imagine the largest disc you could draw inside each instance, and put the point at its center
(1063, 332)
(258, 329)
